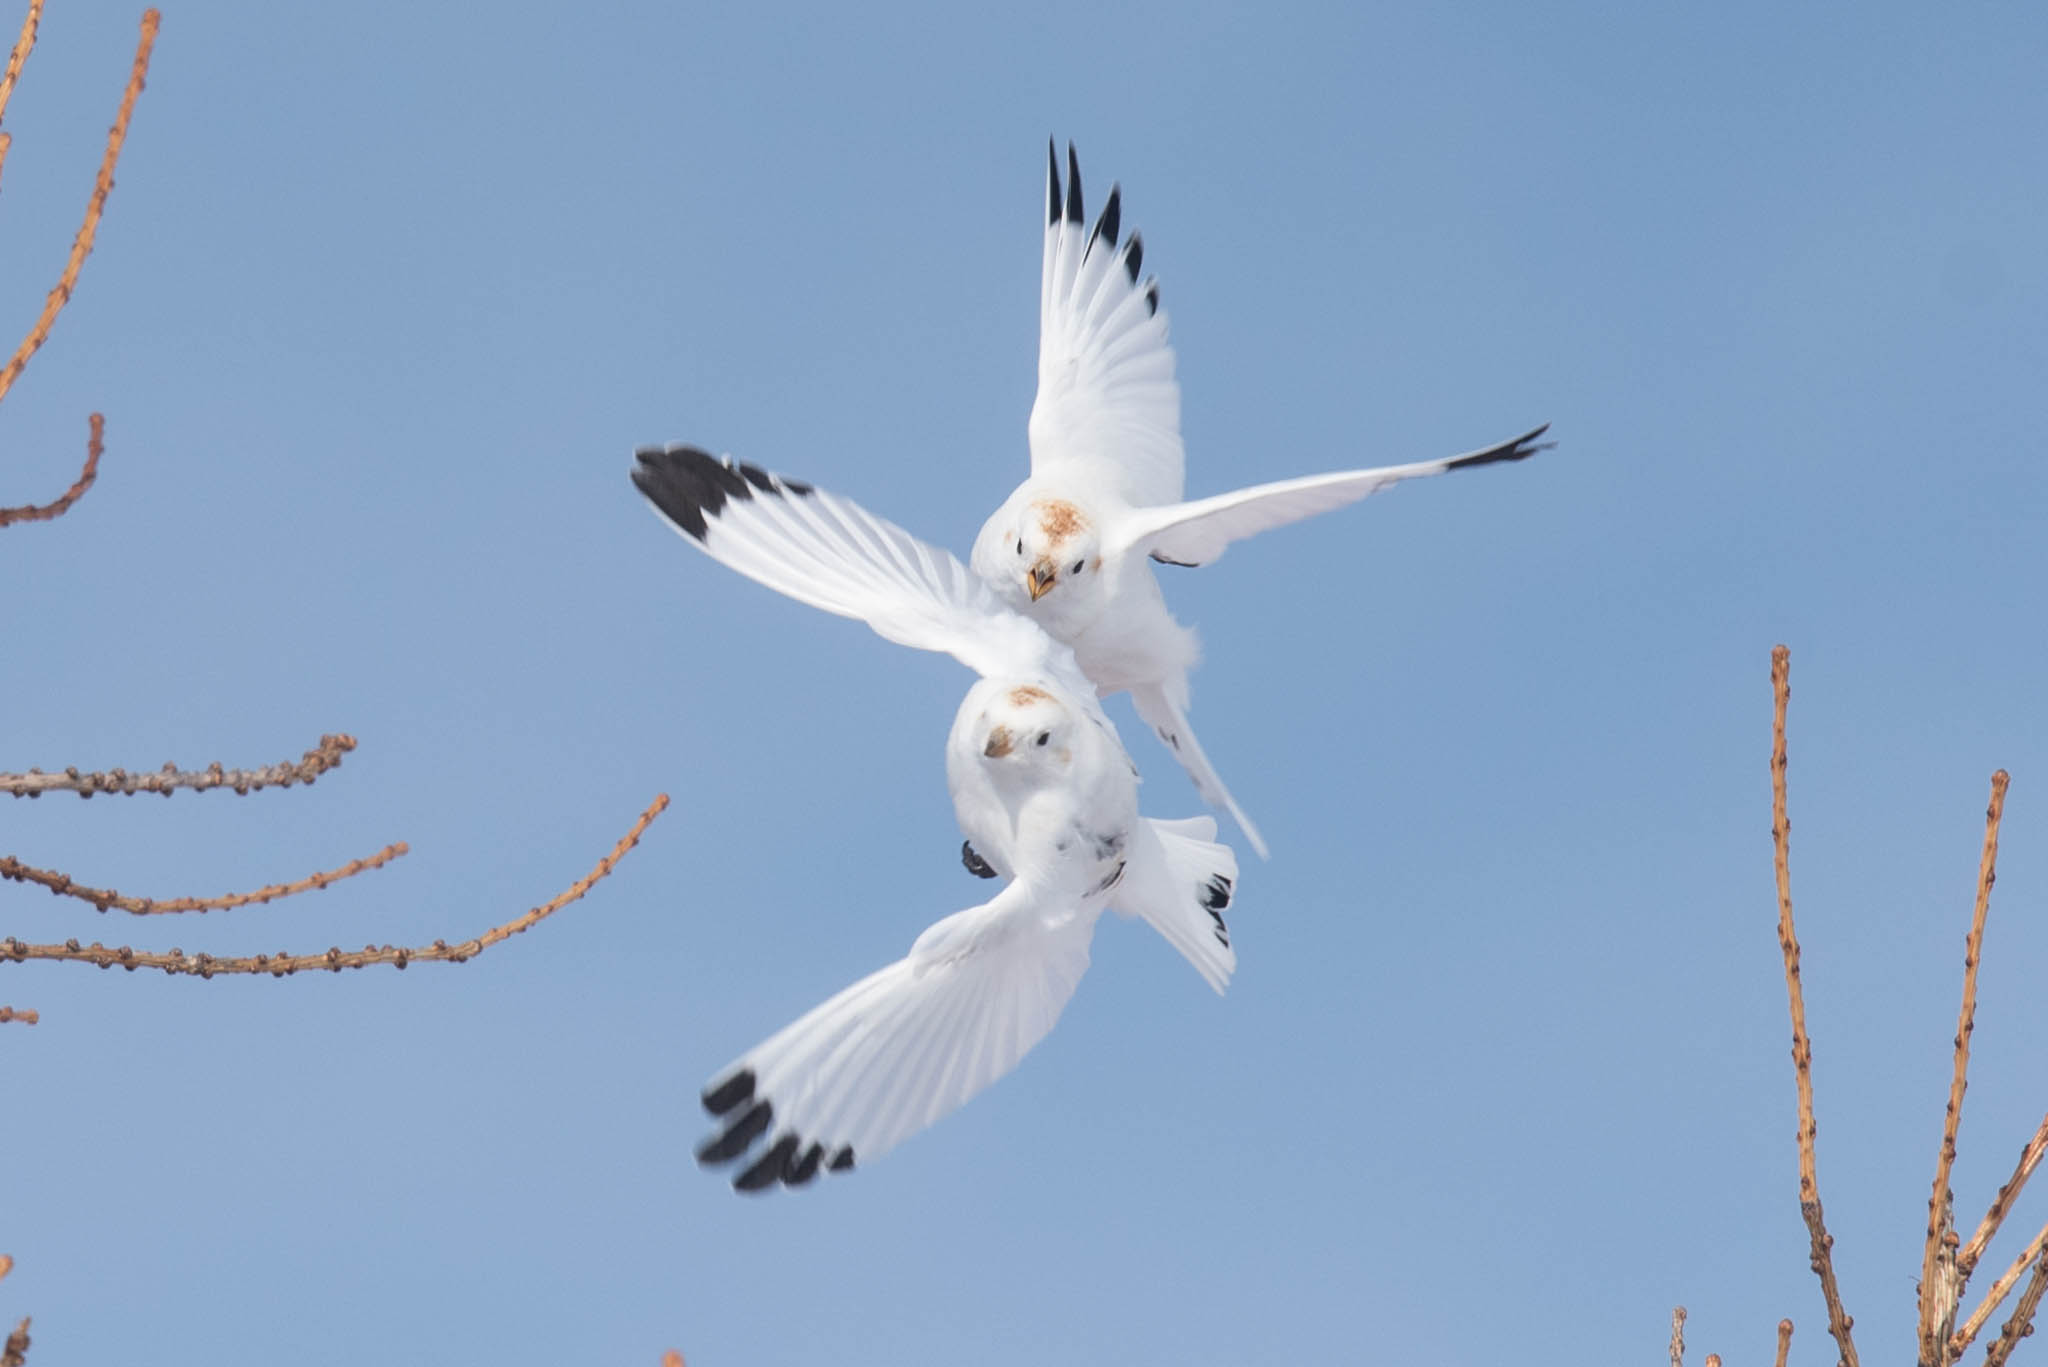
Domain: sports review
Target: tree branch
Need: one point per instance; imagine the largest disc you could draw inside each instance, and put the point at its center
(1677, 1336)
(103, 898)
(2021, 1322)
(2000, 1289)
(1784, 1342)
(334, 960)
(2001, 1205)
(1822, 1255)
(9, 1013)
(103, 184)
(314, 763)
(23, 45)
(1941, 1277)
(96, 429)
(14, 1353)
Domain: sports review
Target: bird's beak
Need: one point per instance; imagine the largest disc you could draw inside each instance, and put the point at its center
(998, 743)
(1039, 579)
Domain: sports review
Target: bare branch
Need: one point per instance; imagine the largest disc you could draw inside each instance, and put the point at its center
(1784, 1342)
(81, 245)
(2000, 1289)
(9, 1013)
(1713, 1360)
(6, 1266)
(1941, 1285)
(314, 763)
(1822, 1250)
(6, 144)
(94, 447)
(671, 1359)
(103, 898)
(15, 1352)
(282, 964)
(2001, 1205)
(2020, 1323)
(1677, 1336)
(23, 45)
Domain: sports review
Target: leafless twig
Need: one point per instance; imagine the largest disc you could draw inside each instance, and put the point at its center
(1784, 1342)
(103, 898)
(22, 46)
(8, 1013)
(94, 448)
(14, 1353)
(103, 184)
(1677, 1336)
(1941, 1276)
(314, 763)
(2001, 1205)
(1822, 1250)
(279, 965)
(2020, 1323)
(1993, 1298)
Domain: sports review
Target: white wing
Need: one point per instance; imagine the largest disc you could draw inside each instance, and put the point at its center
(1196, 533)
(902, 1047)
(1108, 407)
(831, 553)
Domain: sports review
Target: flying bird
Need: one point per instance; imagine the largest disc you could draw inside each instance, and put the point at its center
(1042, 788)
(1071, 546)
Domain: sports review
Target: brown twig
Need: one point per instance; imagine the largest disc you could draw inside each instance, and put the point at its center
(1713, 1360)
(2021, 1322)
(15, 1352)
(334, 960)
(317, 761)
(9, 1013)
(1677, 1336)
(103, 898)
(2000, 1289)
(23, 45)
(1822, 1254)
(2001, 1205)
(1941, 1282)
(1784, 1342)
(671, 1359)
(103, 184)
(96, 425)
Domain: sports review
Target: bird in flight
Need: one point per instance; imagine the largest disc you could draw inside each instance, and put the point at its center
(1043, 790)
(1072, 546)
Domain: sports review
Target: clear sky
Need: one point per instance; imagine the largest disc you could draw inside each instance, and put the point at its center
(386, 296)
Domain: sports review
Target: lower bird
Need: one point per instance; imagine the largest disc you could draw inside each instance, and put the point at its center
(1044, 792)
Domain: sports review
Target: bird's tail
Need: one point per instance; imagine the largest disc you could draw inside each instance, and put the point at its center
(1181, 885)
(1157, 706)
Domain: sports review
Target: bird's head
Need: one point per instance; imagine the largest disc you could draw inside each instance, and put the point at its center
(1025, 733)
(1056, 553)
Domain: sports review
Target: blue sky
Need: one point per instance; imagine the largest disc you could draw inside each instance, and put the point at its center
(385, 298)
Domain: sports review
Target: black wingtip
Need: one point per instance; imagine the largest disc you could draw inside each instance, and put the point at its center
(723, 1148)
(798, 1171)
(1152, 298)
(730, 1093)
(1073, 187)
(1110, 221)
(1052, 183)
(1134, 255)
(841, 1161)
(687, 484)
(1521, 448)
(768, 1169)
(976, 865)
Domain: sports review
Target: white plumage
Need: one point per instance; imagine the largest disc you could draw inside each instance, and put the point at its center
(1043, 791)
(1070, 546)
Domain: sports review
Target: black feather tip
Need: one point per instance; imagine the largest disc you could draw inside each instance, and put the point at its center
(1521, 448)
(976, 865)
(1111, 220)
(690, 486)
(1073, 187)
(1052, 183)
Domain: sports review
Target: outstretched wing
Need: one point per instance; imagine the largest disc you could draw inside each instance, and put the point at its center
(1196, 533)
(1108, 408)
(833, 554)
(900, 1048)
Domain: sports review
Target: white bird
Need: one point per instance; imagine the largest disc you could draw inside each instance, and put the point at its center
(1043, 790)
(1069, 547)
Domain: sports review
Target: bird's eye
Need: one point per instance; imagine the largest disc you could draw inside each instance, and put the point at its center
(1044, 736)
(1020, 545)
(1079, 565)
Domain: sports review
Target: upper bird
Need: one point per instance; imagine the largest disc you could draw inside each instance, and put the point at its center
(1042, 788)
(1071, 545)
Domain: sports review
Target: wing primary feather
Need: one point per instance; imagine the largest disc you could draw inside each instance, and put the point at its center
(1134, 255)
(1152, 297)
(1052, 183)
(737, 1088)
(1111, 220)
(723, 1148)
(1073, 187)
(767, 1169)
(1521, 448)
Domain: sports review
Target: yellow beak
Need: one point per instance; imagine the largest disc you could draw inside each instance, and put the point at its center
(1039, 580)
